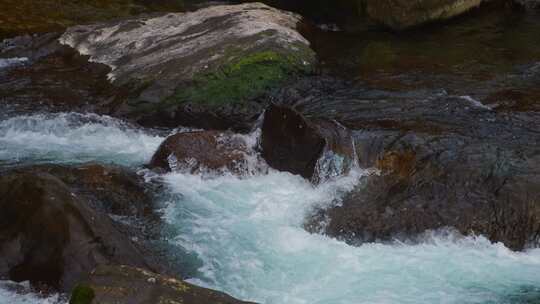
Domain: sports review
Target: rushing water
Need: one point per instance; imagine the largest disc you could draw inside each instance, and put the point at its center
(74, 138)
(247, 232)
(20, 293)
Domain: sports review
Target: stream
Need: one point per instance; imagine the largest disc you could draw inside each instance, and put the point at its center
(247, 234)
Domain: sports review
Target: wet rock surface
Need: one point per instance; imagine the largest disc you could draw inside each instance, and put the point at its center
(123, 284)
(444, 161)
(110, 189)
(204, 152)
(201, 68)
(51, 77)
(403, 14)
(50, 235)
(315, 149)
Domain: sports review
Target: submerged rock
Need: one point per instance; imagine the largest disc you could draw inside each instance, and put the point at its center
(315, 149)
(124, 284)
(49, 234)
(403, 14)
(206, 152)
(202, 68)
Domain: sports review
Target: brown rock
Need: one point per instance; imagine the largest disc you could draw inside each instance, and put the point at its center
(48, 234)
(123, 284)
(201, 151)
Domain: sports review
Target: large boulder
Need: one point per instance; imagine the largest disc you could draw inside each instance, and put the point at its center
(129, 285)
(403, 14)
(49, 234)
(205, 152)
(203, 68)
(316, 149)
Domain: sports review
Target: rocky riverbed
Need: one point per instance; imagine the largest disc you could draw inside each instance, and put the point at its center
(287, 152)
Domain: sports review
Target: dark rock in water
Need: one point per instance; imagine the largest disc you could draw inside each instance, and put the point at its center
(49, 235)
(111, 189)
(203, 151)
(315, 149)
(436, 182)
(445, 161)
(203, 68)
(129, 285)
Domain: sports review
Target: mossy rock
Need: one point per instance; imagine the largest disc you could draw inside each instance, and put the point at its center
(205, 74)
(241, 80)
(82, 294)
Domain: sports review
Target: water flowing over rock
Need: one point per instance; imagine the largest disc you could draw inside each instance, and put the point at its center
(49, 234)
(129, 285)
(207, 152)
(445, 161)
(315, 149)
(402, 14)
(200, 68)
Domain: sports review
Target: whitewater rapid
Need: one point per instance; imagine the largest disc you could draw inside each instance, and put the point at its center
(247, 236)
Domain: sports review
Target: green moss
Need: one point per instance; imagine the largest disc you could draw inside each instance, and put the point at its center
(82, 294)
(241, 79)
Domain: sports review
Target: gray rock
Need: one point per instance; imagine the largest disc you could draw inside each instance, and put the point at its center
(208, 63)
(444, 161)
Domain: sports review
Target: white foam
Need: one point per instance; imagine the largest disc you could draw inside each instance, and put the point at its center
(73, 137)
(9, 62)
(20, 293)
(475, 103)
(249, 235)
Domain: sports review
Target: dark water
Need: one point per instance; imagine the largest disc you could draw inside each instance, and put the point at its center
(481, 55)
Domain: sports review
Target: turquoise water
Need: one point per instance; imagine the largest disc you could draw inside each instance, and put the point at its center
(247, 232)
(74, 138)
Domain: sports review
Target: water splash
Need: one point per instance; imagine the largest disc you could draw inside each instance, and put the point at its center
(248, 234)
(74, 138)
(11, 62)
(21, 293)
